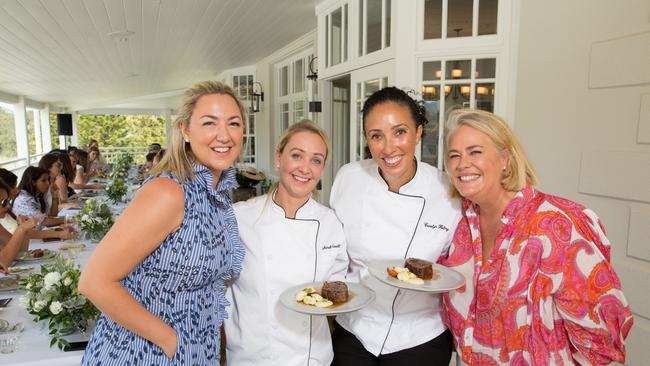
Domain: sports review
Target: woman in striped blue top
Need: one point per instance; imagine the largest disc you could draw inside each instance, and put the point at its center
(158, 275)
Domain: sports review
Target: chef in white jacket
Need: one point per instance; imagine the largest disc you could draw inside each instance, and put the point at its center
(393, 207)
(290, 239)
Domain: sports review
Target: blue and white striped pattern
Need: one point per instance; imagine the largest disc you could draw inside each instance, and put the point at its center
(181, 282)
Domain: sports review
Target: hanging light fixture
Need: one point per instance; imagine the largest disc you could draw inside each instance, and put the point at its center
(257, 96)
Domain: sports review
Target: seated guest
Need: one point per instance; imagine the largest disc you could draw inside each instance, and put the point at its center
(155, 147)
(158, 158)
(10, 222)
(58, 182)
(79, 161)
(12, 244)
(77, 158)
(96, 161)
(68, 174)
(148, 164)
(30, 200)
(539, 285)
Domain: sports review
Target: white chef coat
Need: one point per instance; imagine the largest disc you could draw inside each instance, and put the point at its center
(419, 222)
(282, 253)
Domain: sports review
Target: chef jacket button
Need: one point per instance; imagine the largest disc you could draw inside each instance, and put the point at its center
(269, 257)
(274, 326)
(304, 324)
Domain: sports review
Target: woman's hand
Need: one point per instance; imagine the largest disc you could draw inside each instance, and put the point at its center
(32, 222)
(65, 234)
(169, 347)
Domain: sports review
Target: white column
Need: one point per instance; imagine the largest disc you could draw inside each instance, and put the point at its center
(46, 133)
(20, 122)
(38, 139)
(75, 133)
(168, 124)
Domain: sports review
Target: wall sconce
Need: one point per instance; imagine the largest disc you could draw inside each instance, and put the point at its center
(313, 73)
(257, 96)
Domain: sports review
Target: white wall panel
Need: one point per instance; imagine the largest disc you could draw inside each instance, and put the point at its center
(643, 133)
(620, 174)
(619, 62)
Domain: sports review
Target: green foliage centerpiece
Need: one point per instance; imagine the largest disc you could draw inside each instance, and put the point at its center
(116, 187)
(95, 219)
(52, 295)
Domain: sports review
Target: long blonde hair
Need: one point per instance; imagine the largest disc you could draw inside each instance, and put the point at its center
(519, 170)
(178, 158)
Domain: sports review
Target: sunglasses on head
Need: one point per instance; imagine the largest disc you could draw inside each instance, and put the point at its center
(7, 202)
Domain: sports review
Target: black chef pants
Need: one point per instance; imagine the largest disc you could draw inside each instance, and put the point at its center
(348, 351)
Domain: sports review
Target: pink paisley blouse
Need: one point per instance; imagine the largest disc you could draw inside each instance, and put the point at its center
(547, 295)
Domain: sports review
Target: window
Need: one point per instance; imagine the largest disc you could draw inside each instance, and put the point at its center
(292, 91)
(243, 86)
(374, 25)
(336, 36)
(463, 18)
(452, 84)
(7, 133)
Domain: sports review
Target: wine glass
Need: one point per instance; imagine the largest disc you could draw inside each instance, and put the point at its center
(71, 224)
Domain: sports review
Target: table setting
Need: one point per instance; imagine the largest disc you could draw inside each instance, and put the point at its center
(43, 318)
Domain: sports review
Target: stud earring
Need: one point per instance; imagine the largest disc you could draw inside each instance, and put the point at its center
(188, 140)
(504, 168)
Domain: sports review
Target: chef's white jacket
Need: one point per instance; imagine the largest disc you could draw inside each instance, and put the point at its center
(419, 222)
(282, 253)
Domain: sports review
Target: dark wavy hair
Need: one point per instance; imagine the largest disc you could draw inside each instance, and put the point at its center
(47, 161)
(8, 177)
(28, 184)
(400, 97)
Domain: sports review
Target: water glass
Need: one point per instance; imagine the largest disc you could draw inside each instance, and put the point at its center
(10, 339)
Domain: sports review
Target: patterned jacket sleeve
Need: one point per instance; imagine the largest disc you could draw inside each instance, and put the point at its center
(589, 299)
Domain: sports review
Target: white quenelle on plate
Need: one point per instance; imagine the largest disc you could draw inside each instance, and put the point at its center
(358, 297)
(447, 280)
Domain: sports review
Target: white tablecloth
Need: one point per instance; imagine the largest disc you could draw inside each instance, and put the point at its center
(34, 345)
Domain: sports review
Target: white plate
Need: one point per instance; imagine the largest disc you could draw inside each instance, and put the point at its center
(27, 256)
(448, 280)
(8, 284)
(359, 296)
(18, 270)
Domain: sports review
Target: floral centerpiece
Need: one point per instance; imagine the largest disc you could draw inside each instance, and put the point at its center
(52, 295)
(121, 166)
(116, 188)
(95, 219)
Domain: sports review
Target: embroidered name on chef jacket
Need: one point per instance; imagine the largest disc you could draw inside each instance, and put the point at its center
(436, 226)
(331, 246)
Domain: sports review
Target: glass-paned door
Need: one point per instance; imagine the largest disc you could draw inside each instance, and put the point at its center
(364, 82)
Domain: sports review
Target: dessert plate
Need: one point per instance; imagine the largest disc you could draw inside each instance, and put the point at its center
(448, 278)
(29, 255)
(8, 284)
(358, 297)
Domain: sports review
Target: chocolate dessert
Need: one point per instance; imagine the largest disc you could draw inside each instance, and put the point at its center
(37, 253)
(420, 267)
(335, 291)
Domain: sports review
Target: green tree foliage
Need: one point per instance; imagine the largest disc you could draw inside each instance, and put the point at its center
(113, 130)
(7, 134)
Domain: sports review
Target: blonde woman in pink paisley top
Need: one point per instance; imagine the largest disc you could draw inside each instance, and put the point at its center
(540, 288)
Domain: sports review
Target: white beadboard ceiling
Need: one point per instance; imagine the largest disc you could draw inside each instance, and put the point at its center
(60, 51)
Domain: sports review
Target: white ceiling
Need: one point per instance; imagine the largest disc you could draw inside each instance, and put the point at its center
(60, 51)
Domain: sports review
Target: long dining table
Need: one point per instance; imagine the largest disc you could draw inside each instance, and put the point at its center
(34, 347)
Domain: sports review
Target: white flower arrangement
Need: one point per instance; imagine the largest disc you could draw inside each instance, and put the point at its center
(95, 219)
(52, 295)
